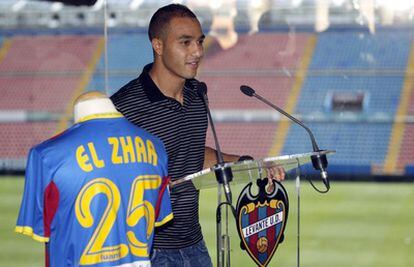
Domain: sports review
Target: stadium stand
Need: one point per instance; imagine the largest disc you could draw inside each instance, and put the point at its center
(128, 53)
(44, 71)
(265, 61)
(41, 73)
(354, 61)
(22, 136)
(244, 138)
(406, 153)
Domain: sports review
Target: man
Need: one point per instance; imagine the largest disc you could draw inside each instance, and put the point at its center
(95, 192)
(164, 101)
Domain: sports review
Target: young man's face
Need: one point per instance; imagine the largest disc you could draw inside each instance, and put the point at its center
(182, 47)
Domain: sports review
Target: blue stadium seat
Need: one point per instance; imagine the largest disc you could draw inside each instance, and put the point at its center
(128, 53)
(409, 170)
(352, 61)
(350, 50)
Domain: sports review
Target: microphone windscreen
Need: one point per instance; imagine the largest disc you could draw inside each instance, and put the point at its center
(202, 89)
(247, 90)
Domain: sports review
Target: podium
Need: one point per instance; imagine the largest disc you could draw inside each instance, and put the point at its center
(249, 170)
(243, 173)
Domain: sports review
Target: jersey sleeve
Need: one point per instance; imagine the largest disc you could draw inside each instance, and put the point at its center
(30, 220)
(163, 211)
(163, 206)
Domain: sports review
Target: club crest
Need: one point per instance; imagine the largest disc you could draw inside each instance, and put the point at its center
(261, 220)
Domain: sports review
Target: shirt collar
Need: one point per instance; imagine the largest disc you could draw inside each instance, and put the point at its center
(150, 88)
(152, 91)
(109, 115)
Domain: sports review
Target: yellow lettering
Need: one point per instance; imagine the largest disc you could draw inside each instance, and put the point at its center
(83, 159)
(138, 209)
(116, 159)
(99, 163)
(97, 251)
(152, 153)
(127, 149)
(140, 148)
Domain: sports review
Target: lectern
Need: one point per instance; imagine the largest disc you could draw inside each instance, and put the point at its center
(243, 173)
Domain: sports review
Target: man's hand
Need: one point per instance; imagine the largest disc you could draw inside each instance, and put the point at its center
(274, 173)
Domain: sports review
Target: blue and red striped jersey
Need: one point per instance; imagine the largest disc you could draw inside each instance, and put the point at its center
(95, 193)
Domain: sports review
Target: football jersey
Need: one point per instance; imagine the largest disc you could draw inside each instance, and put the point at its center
(95, 193)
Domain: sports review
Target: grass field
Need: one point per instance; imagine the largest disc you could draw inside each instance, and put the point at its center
(355, 224)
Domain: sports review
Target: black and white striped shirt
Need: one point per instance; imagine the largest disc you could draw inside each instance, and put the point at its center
(182, 128)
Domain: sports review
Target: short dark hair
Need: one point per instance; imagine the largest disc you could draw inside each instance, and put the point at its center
(164, 15)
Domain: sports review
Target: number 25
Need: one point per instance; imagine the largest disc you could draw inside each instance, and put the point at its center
(138, 208)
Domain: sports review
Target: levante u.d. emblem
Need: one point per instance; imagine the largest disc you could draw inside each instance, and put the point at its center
(261, 220)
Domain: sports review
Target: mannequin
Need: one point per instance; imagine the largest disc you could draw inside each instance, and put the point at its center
(92, 103)
(90, 172)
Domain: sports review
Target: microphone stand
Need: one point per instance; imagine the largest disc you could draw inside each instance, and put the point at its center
(224, 175)
(319, 161)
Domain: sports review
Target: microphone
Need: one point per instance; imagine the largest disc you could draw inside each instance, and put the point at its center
(319, 161)
(224, 175)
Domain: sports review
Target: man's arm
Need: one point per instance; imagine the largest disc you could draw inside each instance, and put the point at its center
(210, 157)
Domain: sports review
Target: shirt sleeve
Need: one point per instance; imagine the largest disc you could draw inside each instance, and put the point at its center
(30, 220)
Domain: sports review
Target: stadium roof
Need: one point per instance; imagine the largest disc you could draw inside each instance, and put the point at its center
(136, 13)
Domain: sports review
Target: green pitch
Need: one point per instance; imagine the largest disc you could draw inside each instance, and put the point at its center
(355, 224)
